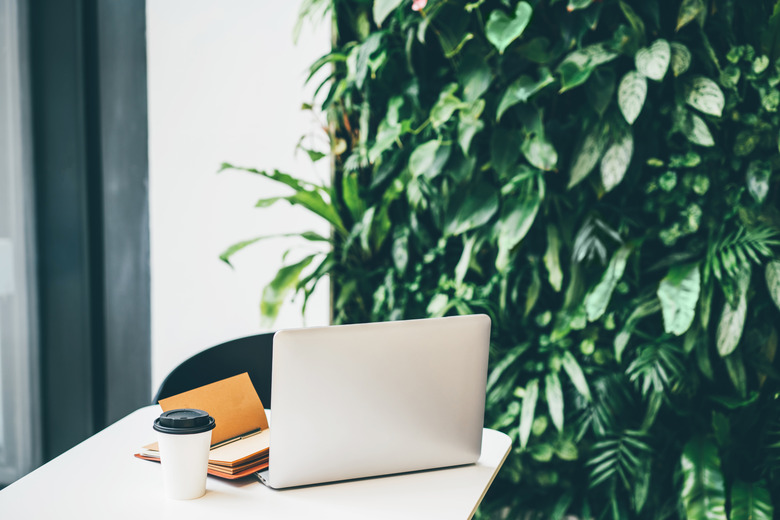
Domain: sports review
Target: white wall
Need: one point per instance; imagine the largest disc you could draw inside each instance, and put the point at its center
(225, 84)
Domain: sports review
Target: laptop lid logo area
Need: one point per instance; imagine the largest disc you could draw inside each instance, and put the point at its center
(373, 399)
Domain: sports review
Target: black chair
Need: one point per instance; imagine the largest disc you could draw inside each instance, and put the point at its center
(252, 354)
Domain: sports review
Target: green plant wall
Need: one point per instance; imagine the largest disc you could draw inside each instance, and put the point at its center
(601, 178)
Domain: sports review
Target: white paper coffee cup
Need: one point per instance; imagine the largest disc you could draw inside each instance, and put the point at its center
(184, 439)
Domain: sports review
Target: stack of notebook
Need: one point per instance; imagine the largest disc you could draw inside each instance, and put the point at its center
(239, 442)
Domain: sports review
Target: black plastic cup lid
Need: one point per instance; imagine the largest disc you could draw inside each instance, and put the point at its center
(184, 421)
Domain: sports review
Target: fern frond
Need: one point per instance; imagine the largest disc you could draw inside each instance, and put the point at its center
(621, 458)
(612, 408)
(658, 367)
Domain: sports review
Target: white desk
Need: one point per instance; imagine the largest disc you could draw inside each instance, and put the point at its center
(100, 478)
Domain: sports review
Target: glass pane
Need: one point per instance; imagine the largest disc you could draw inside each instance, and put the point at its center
(17, 399)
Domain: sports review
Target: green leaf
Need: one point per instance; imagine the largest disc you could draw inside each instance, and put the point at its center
(653, 61)
(465, 259)
(522, 89)
(533, 290)
(366, 225)
(501, 367)
(528, 410)
(572, 368)
(588, 153)
(501, 30)
(735, 366)
(621, 338)
(678, 293)
(616, 159)
(539, 152)
(351, 195)
(637, 24)
(703, 359)
(475, 210)
(642, 486)
(400, 250)
(552, 258)
(276, 291)
(632, 92)
(554, 396)
(703, 494)
(772, 275)
(504, 151)
(423, 157)
(238, 246)
(751, 501)
(598, 298)
(516, 220)
(705, 95)
(469, 124)
(314, 202)
(474, 75)
(445, 106)
(600, 89)
(681, 58)
(578, 4)
(276, 175)
(689, 10)
(732, 321)
(770, 37)
(577, 67)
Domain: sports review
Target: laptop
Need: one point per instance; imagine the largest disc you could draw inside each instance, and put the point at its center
(354, 401)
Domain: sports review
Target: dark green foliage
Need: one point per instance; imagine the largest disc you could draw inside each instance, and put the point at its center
(601, 178)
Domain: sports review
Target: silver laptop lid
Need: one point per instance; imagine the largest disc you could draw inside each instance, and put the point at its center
(372, 399)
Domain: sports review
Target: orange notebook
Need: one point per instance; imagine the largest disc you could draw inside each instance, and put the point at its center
(239, 440)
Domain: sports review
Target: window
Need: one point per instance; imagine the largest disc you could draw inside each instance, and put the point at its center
(18, 409)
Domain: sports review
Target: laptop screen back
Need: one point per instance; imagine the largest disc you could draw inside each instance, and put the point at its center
(372, 399)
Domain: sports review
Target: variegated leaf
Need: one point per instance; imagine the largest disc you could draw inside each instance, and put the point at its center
(631, 95)
(705, 95)
(698, 132)
(758, 174)
(588, 154)
(681, 58)
(653, 61)
(616, 159)
(591, 56)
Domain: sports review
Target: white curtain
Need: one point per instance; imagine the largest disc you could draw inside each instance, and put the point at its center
(19, 410)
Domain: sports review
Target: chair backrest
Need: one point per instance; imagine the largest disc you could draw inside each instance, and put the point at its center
(252, 354)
